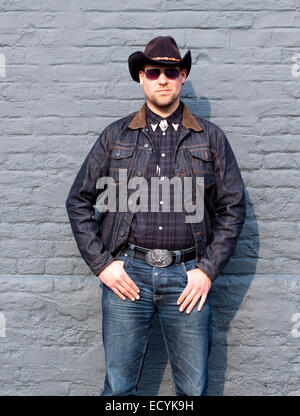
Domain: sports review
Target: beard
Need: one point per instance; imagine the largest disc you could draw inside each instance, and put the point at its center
(163, 101)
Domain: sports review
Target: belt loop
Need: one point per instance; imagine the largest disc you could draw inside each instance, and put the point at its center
(131, 250)
(178, 256)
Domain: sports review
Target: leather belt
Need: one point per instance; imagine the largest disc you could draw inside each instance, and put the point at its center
(160, 257)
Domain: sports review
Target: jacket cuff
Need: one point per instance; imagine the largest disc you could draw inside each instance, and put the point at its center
(207, 268)
(101, 263)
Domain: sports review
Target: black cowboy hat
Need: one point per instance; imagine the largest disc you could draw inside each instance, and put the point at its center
(162, 50)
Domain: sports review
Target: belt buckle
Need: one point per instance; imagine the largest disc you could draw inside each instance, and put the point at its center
(158, 257)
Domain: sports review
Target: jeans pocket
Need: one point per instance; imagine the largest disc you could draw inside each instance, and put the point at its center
(188, 265)
(121, 257)
(184, 273)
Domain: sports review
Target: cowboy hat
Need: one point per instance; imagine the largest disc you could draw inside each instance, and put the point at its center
(162, 50)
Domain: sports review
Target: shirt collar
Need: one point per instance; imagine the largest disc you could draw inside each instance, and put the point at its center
(188, 120)
(154, 118)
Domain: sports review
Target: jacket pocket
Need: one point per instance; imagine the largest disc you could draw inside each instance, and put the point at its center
(120, 158)
(121, 152)
(202, 162)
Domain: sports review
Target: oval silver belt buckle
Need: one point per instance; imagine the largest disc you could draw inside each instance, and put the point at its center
(158, 258)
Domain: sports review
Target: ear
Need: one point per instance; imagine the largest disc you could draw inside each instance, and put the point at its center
(183, 73)
(141, 76)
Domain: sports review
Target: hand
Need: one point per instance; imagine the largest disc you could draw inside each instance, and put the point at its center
(198, 286)
(115, 277)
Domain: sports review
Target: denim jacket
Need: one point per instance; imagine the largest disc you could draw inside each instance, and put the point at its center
(202, 150)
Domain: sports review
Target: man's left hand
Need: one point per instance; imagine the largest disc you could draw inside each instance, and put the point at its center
(198, 287)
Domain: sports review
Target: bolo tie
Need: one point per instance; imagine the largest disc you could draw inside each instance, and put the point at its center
(163, 126)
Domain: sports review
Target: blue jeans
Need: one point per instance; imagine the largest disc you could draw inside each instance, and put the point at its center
(126, 324)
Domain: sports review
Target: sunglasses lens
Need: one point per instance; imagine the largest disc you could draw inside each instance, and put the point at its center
(172, 73)
(152, 74)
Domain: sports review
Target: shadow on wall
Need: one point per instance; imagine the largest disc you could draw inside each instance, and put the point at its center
(227, 294)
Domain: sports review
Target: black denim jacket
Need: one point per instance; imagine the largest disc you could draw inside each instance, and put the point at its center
(203, 150)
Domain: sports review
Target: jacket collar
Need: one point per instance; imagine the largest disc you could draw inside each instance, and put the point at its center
(188, 120)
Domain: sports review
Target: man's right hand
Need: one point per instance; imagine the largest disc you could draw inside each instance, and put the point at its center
(115, 277)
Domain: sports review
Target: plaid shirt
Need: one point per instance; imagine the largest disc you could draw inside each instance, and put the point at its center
(165, 230)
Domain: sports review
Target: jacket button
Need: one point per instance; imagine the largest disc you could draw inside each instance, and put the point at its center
(122, 233)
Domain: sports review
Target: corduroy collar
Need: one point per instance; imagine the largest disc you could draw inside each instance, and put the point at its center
(188, 120)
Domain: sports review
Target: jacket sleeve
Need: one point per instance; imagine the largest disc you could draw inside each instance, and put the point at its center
(80, 206)
(230, 210)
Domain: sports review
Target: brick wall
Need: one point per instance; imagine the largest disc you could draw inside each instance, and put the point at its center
(66, 78)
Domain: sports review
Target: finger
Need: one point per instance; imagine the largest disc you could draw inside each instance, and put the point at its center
(118, 293)
(130, 286)
(193, 303)
(202, 301)
(184, 294)
(130, 282)
(127, 291)
(187, 300)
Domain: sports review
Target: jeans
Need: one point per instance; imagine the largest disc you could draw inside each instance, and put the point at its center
(126, 324)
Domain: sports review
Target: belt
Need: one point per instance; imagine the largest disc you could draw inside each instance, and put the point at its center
(160, 257)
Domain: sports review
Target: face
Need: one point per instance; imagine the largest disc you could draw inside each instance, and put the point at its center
(163, 92)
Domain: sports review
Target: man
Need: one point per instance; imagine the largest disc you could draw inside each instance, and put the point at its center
(158, 260)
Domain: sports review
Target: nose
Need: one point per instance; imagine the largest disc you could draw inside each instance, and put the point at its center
(163, 79)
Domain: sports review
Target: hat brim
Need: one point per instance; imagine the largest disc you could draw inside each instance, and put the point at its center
(137, 60)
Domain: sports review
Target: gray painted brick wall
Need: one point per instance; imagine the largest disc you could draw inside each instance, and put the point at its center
(66, 78)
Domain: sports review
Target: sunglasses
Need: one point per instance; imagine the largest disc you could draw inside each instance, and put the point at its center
(154, 74)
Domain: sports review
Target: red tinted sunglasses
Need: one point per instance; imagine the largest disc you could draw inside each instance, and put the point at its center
(154, 74)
